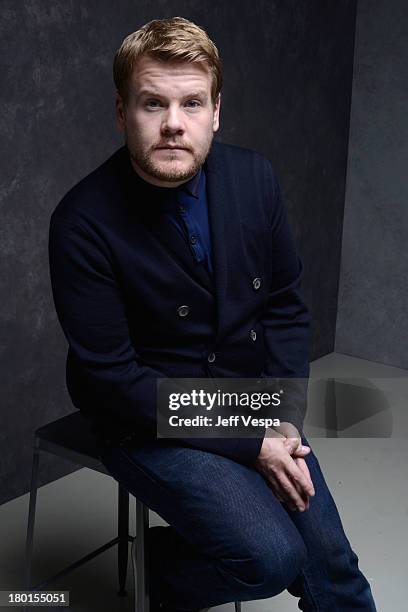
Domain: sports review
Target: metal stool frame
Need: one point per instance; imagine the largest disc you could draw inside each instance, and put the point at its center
(138, 549)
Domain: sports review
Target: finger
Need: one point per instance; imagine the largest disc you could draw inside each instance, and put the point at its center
(302, 465)
(304, 496)
(297, 476)
(309, 490)
(290, 491)
(279, 493)
(301, 452)
(282, 498)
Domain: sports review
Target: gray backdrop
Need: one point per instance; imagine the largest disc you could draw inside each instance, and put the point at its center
(288, 74)
(373, 297)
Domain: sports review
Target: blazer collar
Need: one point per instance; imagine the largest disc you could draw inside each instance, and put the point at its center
(219, 206)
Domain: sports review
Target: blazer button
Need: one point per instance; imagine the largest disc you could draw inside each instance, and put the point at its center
(211, 358)
(256, 283)
(253, 335)
(183, 311)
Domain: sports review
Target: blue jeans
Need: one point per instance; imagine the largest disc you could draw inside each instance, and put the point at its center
(230, 539)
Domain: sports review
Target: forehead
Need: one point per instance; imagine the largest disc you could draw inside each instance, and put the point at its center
(152, 73)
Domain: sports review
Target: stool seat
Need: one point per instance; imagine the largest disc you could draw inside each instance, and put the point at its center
(72, 437)
(72, 432)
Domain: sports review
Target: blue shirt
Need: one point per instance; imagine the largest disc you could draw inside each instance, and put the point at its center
(190, 216)
(187, 208)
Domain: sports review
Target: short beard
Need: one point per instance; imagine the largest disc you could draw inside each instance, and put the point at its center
(144, 160)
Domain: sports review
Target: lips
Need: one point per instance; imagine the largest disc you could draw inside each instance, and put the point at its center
(174, 148)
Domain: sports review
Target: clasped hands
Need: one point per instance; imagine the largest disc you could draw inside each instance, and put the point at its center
(281, 462)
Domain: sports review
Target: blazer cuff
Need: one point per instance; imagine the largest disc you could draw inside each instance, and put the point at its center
(248, 449)
(292, 417)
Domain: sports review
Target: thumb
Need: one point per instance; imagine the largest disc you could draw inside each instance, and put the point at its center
(302, 451)
(295, 446)
(292, 444)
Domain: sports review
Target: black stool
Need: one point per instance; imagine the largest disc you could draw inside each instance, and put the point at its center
(71, 437)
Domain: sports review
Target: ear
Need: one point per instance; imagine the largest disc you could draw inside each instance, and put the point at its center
(216, 118)
(120, 112)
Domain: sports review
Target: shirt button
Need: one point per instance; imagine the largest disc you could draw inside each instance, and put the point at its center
(182, 209)
(253, 334)
(183, 311)
(211, 358)
(193, 239)
(256, 283)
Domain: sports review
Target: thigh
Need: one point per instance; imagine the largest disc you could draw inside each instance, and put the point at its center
(223, 508)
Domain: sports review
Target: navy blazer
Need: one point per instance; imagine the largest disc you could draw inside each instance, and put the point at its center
(120, 272)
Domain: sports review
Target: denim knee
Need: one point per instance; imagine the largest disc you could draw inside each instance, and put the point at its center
(266, 573)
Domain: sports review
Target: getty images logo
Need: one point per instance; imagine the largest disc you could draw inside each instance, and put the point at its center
(208, 401)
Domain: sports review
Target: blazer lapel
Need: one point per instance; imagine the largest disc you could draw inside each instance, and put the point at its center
(223, 213)
(234, 267)
(165, 231)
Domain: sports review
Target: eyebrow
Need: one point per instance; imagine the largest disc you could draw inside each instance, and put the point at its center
(199, 93)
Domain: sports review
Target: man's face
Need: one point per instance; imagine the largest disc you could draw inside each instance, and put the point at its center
(169, 105)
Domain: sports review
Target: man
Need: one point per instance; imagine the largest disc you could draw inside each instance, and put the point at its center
(174, 259)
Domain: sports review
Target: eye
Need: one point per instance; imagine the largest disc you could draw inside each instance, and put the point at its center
(153, 103)
(193, 103)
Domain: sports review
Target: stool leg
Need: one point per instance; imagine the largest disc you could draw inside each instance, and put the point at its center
(31, 518)
(123, 534)
(140, 560)
(237, 606)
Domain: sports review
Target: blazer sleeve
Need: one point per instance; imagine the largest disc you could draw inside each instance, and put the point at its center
(91, 310)
(286, 320)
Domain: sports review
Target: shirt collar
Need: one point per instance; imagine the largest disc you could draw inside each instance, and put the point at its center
(193, 185)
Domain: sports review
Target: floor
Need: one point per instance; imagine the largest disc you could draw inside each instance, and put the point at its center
(364, 462)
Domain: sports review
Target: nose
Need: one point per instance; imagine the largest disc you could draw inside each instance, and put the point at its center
(172, 121)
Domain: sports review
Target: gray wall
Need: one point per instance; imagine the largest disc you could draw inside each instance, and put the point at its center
(288, 72)
(373, 297)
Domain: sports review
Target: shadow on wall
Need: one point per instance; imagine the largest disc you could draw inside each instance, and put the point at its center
(354, 408)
